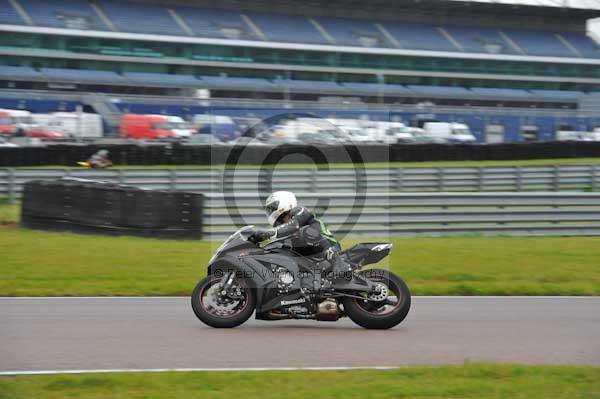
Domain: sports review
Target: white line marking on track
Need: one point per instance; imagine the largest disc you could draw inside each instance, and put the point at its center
(184, 370)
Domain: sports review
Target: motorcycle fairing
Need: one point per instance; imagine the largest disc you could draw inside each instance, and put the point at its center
(258, 267)
(367, 253)
(271, 296)
(259, 272)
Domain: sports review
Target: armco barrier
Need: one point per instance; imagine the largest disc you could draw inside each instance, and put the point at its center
(504, 178)
(88, 206)
(175, 154)
(107, 208)
(431, 214)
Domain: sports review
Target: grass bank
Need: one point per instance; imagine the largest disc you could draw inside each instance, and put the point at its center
(38, 263)
(464, 381)
(9, 213)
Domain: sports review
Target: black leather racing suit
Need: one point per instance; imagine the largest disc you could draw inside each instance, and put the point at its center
(308, 234)
(309, 237)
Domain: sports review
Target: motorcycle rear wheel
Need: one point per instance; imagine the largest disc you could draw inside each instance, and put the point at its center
(214, 317)
(384, 314)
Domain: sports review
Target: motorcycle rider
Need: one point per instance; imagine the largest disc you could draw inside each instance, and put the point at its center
(309, 235)
(100, 160)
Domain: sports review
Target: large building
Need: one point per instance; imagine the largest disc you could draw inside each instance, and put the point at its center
(523, 64)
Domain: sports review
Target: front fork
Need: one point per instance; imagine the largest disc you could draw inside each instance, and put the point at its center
(228, 288)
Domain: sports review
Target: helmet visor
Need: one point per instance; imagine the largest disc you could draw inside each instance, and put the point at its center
(271, 207)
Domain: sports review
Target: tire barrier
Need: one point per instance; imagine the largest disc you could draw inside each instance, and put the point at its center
(177, 154)
(88, 206)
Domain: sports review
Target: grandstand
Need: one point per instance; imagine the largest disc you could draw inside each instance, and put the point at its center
(384, 56)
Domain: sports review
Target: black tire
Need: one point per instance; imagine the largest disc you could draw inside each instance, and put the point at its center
(366, 319)
(221, 321)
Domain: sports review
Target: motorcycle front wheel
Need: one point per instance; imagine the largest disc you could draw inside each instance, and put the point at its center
(381, 310)
(214, 310)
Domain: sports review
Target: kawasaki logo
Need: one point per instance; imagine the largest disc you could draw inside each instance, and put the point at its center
(293, 301)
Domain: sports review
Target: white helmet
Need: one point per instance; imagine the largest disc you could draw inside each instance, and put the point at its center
(278, 203)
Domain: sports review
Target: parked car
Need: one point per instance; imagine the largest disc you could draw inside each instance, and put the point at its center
(6, 144)
(15, 122)
(44, 133)
(571, 135)
(420, 137)
(322, 137)
(203, 139)
(221, 126)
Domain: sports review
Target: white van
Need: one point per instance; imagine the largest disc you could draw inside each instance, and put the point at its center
(72, 124)
(176, 124)
(394, 132)
(287, 132)
(450, 132)
(330, 132)
(572, 135)
(357, 130)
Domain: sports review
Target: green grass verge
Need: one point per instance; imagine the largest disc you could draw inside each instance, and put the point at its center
(464, 381)
(38, 263)
(9, 213)
(527, 162)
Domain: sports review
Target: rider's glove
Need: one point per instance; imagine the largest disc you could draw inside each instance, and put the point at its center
(261, 235)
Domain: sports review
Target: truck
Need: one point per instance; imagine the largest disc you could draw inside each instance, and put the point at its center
(449, 132)
(150, 127)
(72, 124)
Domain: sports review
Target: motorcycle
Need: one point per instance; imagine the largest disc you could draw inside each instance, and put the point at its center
(279, 283)
(93, 165)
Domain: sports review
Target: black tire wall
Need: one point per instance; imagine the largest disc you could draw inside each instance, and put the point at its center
(175, 154)
(94, 207)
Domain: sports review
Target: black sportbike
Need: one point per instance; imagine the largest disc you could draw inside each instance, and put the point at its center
(279, 283)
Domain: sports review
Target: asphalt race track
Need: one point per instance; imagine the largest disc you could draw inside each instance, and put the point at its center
(150, 333)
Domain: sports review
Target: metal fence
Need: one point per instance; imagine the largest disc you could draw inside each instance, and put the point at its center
(443, 179)
(403, 214)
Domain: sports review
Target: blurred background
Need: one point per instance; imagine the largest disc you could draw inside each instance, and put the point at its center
(466, 133)
(166, 83)
(413, 71)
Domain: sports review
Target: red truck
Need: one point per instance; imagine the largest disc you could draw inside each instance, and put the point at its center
(138, 126)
